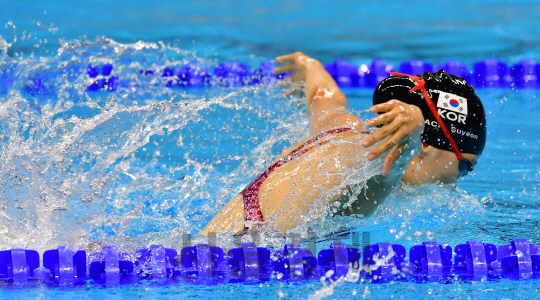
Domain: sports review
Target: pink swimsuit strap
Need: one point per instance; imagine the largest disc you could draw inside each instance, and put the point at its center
(252, 207)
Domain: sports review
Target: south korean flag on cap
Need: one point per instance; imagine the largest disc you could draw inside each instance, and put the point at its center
(452, 102)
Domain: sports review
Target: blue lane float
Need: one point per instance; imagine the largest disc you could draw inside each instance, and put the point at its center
(473, 261)
(67, 268)
(373, 74)
(204, 264)
(491, 73)
(192, 74)
(525, 74)
(455, 67)
(416, 67)
(249, 263)
(232, 74)
(385, 262)
(265, 74)
(293, 264)
(345, 74)
(156, 262)
(337, 260)
(111, 267)
(105, 81)
(169, 77)
(17, 266)
(487, 73)
(518, 260)
(431, 262)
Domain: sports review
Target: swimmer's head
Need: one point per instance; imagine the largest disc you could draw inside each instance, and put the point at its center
(459, 107)
(462, 113)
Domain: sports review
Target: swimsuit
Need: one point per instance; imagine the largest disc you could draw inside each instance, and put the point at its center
(252, 207)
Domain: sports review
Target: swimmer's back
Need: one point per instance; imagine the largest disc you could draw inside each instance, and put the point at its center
(290, 189)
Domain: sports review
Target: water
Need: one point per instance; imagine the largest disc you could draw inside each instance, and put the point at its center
(147, 164)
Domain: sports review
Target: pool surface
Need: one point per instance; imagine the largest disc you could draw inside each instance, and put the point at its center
(149, 164)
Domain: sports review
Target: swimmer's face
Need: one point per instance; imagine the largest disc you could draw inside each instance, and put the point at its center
(434, 165)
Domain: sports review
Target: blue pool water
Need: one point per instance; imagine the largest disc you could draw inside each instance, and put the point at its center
(146, 164)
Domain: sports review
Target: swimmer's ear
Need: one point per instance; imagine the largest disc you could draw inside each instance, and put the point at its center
(424, 149)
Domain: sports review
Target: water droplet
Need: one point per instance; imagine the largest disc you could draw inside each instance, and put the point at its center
(329, 273)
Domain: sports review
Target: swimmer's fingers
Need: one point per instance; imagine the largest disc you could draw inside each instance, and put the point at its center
(394, 123)
(290, 66)
(380, 134)
(285, 58)
(383, 118)
(396, 116)
(386, 106)
(290, 57)
(284, 69)
(390, 141)
(393, 156)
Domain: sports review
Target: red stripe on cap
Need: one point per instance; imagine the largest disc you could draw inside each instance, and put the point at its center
(421, 85)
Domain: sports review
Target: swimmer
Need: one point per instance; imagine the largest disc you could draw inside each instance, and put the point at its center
(441, 110)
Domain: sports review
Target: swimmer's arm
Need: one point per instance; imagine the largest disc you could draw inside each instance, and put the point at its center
(325, 101)
(367, 201)
(377, 188)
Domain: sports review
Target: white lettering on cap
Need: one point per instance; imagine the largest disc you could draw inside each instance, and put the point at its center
(449, 115)
(462, 132)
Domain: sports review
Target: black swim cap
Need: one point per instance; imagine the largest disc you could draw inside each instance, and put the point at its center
(459, 107)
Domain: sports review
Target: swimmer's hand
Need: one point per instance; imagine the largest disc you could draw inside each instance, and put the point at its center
(298, 64)
(402, 122)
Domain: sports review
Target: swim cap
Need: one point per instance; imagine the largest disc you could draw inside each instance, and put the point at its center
(459, 107)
